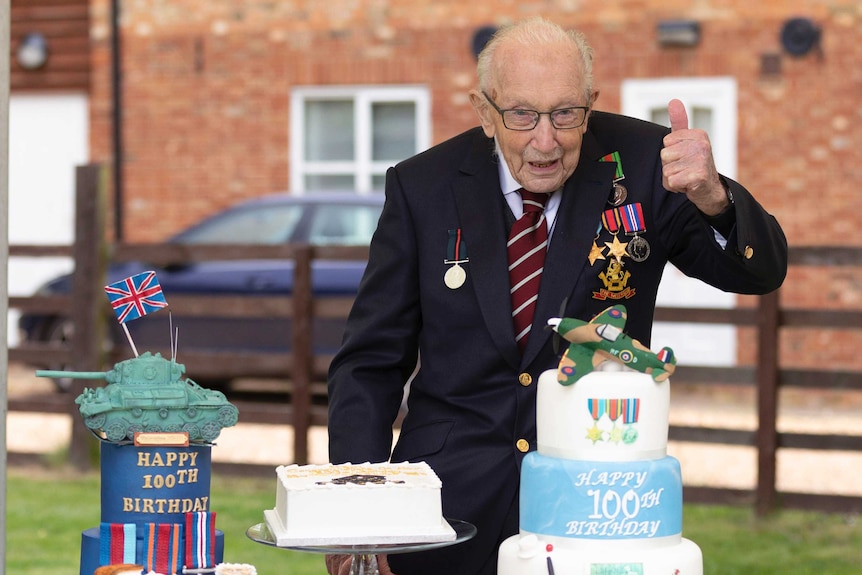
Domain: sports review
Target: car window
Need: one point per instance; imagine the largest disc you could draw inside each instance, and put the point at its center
(349, 225)
(270, 224)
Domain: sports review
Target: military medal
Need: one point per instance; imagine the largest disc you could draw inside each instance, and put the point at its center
(633, 222)
(618, 191)
(456, 251)
(611, 220)
(596, 253)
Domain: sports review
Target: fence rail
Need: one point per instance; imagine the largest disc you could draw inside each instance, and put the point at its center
(306, 371)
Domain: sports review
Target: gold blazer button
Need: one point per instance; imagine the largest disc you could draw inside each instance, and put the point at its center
(525, 379)
(523, 445)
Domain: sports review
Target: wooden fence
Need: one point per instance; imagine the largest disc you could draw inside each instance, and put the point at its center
(306, 372)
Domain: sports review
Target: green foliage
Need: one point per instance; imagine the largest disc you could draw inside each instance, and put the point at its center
(48, 509)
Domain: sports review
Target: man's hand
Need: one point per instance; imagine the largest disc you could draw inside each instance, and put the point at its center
(340, 564)
(688, 166)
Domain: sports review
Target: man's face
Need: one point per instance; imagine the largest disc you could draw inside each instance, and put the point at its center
(542, 79)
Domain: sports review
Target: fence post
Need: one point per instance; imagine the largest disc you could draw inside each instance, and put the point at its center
(767, 401)
(89, 254)
(301, 350)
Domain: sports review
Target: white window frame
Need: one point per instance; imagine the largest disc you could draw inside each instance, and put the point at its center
(362, 167)
(694, 344)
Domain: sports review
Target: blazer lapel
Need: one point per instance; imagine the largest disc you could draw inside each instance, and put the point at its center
(481, 208)
(584, 196)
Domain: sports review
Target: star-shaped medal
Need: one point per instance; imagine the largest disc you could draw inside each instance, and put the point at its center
(594, 434)
(617, 248)
(596, 253)
(616, 434)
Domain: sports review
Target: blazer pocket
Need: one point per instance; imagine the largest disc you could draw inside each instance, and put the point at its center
(420, 442)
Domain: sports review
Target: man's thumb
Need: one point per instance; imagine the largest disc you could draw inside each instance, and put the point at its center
(678, 117)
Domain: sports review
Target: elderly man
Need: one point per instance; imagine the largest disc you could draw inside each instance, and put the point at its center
(606, 202)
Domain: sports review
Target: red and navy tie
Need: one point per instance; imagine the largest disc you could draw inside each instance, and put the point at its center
(527, 245)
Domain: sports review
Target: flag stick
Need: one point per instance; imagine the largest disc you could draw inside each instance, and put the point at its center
(129, 337)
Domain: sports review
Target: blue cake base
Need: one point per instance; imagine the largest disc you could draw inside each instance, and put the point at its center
(90, 549)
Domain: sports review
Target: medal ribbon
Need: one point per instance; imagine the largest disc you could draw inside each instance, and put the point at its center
(632, 410)
(633, 218)
(615, 408)
(456, 250)
(116, 543)
(200, 539)
(597, 407)
(615, 157)
(611, 220)
(162, 547)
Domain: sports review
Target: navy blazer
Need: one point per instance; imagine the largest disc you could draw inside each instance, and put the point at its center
(471, 405)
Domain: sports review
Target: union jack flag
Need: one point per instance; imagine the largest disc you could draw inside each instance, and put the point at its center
(136, 296)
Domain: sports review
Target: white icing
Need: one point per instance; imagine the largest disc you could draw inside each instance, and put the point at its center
(325, 504)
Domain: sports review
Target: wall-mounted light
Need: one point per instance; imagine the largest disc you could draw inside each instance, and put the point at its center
(799, 36)
(684, 33)
(32, 52)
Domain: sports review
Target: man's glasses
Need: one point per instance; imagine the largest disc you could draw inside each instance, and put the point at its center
(524, 120)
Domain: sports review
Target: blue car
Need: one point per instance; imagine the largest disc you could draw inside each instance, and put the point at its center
(318, 219)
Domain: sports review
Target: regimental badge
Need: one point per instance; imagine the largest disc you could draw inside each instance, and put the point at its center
(618, 191)
(456, 254)
(615, 280)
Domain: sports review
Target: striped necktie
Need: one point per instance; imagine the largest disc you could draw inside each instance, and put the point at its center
(526, 247)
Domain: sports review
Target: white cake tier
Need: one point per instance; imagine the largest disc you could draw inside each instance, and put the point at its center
(607, 415)
(378, 503)
(531, 555)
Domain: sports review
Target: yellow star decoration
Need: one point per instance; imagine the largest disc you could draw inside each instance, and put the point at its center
(617, 248)
(616, 434)
(596, 253)
(594, 434)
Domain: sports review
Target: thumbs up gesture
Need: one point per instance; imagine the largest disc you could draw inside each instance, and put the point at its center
(688, 166)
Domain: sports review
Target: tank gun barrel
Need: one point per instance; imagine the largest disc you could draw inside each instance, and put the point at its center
(71, 374)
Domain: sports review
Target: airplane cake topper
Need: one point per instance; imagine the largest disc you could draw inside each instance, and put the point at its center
(602, 339)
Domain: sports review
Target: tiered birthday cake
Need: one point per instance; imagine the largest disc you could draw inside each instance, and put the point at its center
(156, 431)
(371, 503)
(601, 496)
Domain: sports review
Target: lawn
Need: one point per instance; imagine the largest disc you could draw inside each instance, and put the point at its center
(48, 508)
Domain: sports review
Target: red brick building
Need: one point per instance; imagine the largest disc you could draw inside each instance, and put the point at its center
(211, 93)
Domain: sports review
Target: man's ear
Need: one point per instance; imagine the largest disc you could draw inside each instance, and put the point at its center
(483, 109)
(593, 97)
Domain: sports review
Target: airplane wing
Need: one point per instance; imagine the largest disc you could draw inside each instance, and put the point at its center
(614, 315)
(575, 363)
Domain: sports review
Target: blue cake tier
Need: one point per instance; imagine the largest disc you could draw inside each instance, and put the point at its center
(601, 501)
(142, 485)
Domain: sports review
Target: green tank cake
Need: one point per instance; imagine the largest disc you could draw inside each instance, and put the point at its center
(155, 430)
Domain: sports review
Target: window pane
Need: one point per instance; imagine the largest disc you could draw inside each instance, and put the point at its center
(329, 182)
(393, 126)
(378, 182)
(343, 225)
(329, 130)
(701, 118)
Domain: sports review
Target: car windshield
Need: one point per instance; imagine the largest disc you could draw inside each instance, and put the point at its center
(271, 224)
(343, 224)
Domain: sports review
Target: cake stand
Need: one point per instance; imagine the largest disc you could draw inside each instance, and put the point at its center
(364, 560)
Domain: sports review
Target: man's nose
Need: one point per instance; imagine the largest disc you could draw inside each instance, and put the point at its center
(545, 134)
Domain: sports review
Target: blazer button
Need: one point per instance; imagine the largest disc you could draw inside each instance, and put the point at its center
(523, 445)
(749, 252)
(525, 379)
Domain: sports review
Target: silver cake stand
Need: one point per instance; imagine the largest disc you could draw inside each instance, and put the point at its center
(364, 560)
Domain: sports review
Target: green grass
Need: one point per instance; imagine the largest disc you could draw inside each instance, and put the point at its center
(48, 509)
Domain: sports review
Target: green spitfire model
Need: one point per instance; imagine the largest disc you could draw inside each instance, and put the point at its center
(148, 394)
(602, 339)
